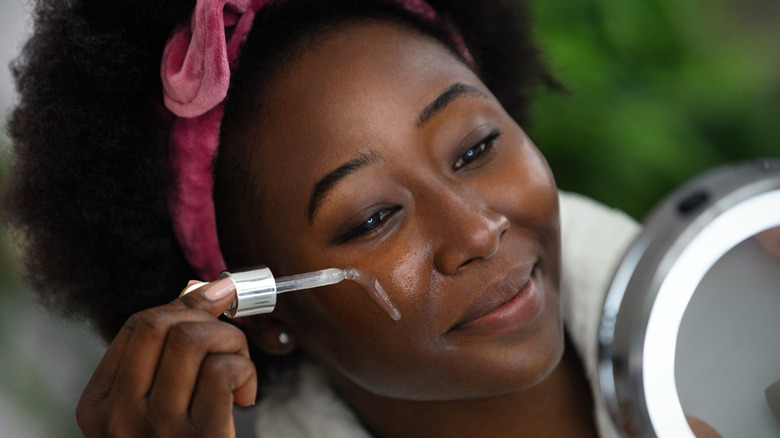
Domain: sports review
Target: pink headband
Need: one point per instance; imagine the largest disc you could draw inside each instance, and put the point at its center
(196, 67)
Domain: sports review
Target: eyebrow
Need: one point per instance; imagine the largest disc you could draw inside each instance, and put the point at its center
(329, 181)
(455, 91)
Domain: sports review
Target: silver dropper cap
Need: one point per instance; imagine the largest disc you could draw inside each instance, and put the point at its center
(255, 292)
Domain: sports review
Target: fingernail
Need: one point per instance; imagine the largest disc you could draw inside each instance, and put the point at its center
(219, 289)
(192, 286)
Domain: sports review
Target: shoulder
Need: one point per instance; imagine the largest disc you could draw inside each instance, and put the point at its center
(303, 405)
(584, 220)
(594, 238)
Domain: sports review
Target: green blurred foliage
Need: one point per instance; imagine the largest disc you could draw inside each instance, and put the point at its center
(659, 91)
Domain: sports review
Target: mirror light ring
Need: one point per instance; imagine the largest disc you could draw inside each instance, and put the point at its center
(627, 306)
(733, 226)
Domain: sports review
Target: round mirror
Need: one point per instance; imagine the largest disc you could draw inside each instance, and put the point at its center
(690, 328)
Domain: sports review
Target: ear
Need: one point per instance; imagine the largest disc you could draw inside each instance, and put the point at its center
(268, 333)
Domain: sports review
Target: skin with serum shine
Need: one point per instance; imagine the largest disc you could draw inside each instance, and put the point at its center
(439, 185)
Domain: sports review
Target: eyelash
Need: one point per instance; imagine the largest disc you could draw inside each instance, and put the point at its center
(370, 225)
(378, 219)
(481, 150)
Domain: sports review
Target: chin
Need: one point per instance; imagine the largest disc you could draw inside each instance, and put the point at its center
(474, 369)
(535, 359)
(505, 367)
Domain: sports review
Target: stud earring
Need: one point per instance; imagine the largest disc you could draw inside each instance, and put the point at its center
(284, 338)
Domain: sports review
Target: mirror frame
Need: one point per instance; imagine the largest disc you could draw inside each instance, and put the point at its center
(682, 239)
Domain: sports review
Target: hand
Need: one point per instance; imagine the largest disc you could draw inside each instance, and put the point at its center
(172, 371)
(770, 241)
(701, 429)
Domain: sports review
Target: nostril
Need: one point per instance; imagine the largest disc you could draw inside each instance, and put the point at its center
(468, 261)
(474, 236)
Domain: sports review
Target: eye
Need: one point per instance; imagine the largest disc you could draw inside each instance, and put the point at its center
(370, 225)
(477, 151)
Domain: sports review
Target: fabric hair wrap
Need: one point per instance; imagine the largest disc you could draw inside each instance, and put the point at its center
(196, 66)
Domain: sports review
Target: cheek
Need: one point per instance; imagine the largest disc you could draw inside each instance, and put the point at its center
(528, 194)
(539, 183)
(344, 330)
(404, 277)
(411, 273)
(331, 315)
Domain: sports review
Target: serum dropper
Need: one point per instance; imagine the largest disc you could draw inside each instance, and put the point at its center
(256, 289)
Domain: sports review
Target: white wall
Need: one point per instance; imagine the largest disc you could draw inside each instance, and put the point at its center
(14, 26)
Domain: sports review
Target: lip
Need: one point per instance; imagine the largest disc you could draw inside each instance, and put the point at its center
(505, 306)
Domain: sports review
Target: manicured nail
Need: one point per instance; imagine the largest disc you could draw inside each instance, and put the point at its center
(192, 286)
(219, 289)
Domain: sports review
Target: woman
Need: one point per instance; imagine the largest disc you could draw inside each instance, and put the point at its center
(382, 135)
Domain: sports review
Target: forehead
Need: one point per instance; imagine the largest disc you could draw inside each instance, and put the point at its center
(355, 80)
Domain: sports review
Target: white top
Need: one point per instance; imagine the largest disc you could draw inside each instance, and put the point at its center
(303, 405)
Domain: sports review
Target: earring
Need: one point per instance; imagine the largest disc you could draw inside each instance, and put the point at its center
(284, 338)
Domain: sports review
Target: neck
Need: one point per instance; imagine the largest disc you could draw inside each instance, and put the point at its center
(561, 405)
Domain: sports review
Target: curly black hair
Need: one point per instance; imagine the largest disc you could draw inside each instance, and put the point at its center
(88, 187)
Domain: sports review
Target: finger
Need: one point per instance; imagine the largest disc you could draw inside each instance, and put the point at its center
(135, 351)
(149, 330)
(192, 286)
(92, 409)
(770, 241)
(223, 380)
(102, 378)
(186, 346)
(213, 298)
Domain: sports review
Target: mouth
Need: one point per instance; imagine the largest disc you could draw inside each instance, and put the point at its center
(505, 306)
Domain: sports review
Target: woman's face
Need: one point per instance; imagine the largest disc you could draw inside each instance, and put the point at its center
(380, 150)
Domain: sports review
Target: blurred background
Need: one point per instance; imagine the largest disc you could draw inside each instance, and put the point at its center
(660, 90)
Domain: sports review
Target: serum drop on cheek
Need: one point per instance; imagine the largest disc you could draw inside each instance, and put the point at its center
(372, 286)
(256, 290)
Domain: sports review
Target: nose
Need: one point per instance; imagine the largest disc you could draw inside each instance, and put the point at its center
(466, 229)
